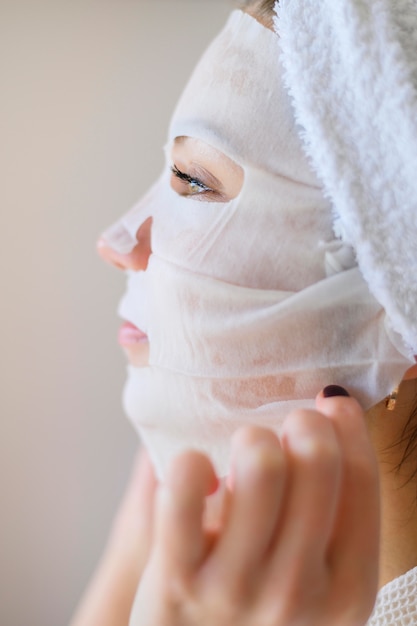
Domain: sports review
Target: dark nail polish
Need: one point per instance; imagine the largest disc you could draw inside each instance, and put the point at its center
(335, 390)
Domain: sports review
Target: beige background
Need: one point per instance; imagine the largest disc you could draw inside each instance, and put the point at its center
(86, 91)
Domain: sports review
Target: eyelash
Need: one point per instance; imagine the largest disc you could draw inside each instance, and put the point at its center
(186, 178)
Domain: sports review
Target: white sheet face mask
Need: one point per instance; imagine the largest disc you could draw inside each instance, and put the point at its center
(250, 306)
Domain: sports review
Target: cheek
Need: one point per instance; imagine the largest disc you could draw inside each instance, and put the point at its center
(270, 237)
(247, 245)
(241, 394)
(187, 230)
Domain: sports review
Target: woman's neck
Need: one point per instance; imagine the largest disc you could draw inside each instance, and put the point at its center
(390, 436)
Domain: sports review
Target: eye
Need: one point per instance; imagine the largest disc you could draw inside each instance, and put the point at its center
(190, 186)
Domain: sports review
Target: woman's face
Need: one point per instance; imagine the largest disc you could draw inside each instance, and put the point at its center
(220, 136)
(197, 170)
(241, 303)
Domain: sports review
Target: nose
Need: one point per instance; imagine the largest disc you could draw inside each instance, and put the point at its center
(137, 258)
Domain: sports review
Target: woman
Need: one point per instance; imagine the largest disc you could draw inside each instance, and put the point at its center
(250, 274)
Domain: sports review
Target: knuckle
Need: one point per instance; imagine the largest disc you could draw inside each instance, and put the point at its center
(316, 451)
(265, 461)
(321, 452)
(303, 422)
(251, 435)
(298, 417)
(311, 436)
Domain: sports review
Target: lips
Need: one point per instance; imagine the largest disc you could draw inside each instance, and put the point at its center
(130, 335)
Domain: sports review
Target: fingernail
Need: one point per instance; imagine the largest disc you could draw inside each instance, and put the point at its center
(335, 390)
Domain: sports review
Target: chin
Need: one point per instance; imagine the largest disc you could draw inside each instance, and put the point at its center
(138, 355)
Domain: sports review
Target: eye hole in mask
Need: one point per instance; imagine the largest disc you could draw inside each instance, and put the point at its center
(202, 172)
(191, 186)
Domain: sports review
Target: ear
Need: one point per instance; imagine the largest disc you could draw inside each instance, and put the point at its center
(411, 372)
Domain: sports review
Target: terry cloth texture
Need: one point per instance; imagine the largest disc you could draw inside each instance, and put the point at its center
(351, 69)
(397, 602)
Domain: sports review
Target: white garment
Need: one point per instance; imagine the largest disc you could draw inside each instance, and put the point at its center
(351, 69)
(396, 603)
(251, 306)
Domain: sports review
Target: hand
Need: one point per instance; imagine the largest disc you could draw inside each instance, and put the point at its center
(109, 597)
(299, 545)
(131, 534)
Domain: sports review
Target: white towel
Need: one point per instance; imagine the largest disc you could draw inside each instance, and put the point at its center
(351, 69)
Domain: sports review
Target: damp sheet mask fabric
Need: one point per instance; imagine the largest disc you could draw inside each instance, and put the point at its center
(250, 306)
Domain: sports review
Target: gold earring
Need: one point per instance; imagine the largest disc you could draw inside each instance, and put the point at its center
(391, 400)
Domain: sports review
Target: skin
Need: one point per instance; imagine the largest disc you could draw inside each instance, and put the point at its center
(284, 554)
(240, 568)
(108, 598)
(302, 520)
(386, 430)
(218, 172)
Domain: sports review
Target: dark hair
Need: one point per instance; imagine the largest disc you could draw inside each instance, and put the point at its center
(262, 8)
(267, 6)
(407, 442)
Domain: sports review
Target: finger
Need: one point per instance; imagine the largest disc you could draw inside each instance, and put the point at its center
(137, 511)
(312, 494)
(258, 484)
(132, 530)
(144, 481)
(355, 545)
(179, 535)
(216, 508)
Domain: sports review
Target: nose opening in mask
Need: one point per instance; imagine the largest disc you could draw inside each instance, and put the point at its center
(126, 250)
(119, 238)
